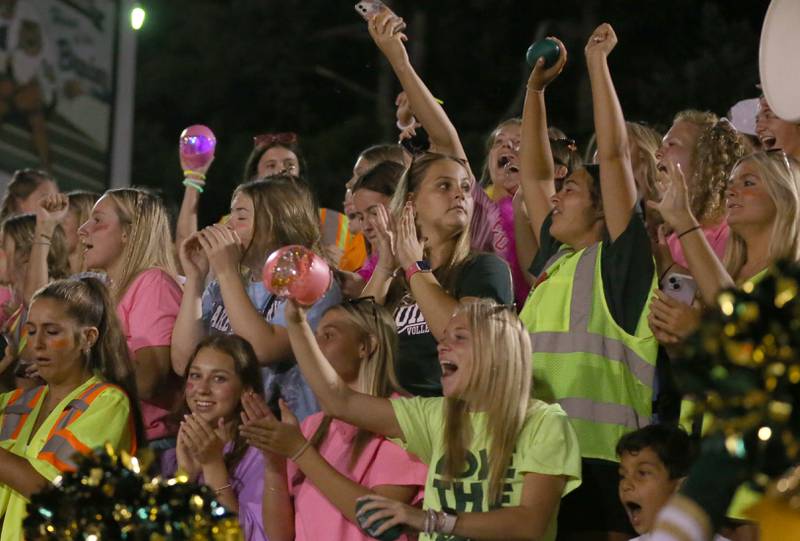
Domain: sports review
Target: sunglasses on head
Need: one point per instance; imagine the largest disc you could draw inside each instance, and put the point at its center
(566, 142)
(372, 304)
(267, 139)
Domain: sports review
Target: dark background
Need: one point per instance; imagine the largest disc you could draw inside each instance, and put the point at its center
(245, 67)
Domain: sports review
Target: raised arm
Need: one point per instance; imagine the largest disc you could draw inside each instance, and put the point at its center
(189, 330)
(705, 266)
(526, 244)
(194, 183)
(336, 398)
(443, 136)
(50, 212)
(381, 280)
(222, 247)
(616, 174)
(536, 159)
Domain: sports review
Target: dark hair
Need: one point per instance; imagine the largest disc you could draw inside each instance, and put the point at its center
(671, 443)
(595, 189)
(246, 365)
(23, 183)
(89, 303)
(251, 166)
(22, 229)
(565, 152)
(383, 178)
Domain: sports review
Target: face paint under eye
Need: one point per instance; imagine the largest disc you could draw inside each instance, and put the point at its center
(58, 343)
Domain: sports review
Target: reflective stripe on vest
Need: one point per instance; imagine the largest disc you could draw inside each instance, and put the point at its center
(17, 410)
(333, 228)
(61, 444)
(600, 375)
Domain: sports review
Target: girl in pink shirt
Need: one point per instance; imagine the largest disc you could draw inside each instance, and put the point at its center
(333, 463)
(705, 148)
(127, 236)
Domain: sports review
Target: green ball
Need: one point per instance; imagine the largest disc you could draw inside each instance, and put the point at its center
(546, 48)
(389, 535)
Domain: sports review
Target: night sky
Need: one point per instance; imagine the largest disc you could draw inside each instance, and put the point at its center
(245, 67)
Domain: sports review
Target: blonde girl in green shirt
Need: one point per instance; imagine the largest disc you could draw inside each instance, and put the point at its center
(499, 461)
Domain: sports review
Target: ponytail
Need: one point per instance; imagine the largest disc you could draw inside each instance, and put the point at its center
(87, 301)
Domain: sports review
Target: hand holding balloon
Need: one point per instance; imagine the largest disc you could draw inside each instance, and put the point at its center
(196, 148)
(297, 273)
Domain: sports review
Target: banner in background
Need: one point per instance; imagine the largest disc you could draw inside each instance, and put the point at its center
(57, 73)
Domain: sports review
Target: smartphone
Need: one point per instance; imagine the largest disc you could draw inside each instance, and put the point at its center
(369, 8)
(680, 287)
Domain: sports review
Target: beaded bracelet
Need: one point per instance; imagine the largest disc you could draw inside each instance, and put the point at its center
(189, 183)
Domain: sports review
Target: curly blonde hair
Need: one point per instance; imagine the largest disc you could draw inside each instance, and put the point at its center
(717, 150)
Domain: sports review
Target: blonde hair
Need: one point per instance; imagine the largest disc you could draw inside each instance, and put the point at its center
(718, 148)
(144, 220)
(781, 176)
(376, 374)
(408, 185)
(81, 203)
(22, 230)
(646, 141)
(499, 383)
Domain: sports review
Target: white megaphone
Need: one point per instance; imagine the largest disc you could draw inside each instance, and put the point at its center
(779, 61)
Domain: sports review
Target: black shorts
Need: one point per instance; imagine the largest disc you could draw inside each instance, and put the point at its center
(595, 506)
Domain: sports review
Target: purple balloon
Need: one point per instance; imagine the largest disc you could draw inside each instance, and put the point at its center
(197, 144)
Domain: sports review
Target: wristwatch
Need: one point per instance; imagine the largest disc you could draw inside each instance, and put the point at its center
(417, 266)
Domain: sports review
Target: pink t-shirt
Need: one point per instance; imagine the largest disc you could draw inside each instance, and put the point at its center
(147, 311)
(380, 463)
(717, 236)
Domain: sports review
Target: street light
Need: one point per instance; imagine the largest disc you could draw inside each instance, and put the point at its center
(138, 15)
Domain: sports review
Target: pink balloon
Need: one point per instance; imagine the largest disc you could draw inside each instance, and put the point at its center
(197, 144)
(297, 273)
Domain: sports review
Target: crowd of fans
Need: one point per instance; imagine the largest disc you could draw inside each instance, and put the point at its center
(491, 361)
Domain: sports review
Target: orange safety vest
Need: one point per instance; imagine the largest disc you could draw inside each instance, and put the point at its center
(61, 444)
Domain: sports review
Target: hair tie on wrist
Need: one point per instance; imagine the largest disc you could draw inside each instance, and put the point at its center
(300, 451)
(695, 228)
(663, 274)
(222, 489)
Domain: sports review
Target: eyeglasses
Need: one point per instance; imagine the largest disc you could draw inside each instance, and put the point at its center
(267, 139)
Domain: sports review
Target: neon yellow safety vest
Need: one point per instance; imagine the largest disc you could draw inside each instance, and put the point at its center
(599, 374)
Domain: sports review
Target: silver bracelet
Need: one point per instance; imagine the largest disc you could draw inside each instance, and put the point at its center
(430, 522)
(447, 523)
